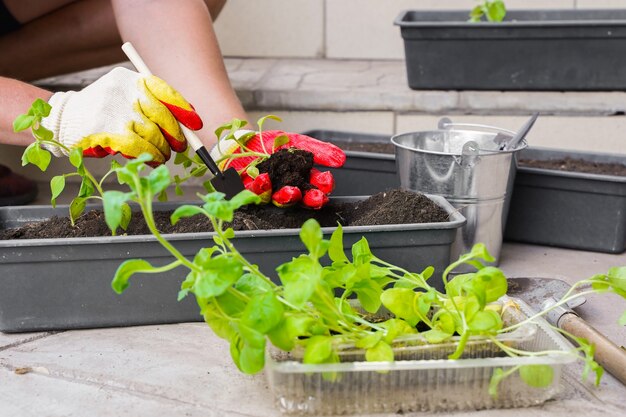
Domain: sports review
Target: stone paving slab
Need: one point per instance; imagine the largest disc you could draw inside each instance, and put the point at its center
(371, 85)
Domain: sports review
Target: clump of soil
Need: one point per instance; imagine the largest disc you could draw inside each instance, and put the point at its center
(288, 167)
(390, 207)
(576, 165)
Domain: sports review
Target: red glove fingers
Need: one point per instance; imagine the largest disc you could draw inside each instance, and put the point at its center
(324, 153)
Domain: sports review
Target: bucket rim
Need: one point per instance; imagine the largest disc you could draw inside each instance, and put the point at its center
(483, 152)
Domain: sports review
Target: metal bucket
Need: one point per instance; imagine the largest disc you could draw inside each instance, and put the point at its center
(465, 164)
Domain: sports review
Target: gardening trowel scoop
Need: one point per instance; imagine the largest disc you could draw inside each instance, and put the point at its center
(228, 182)
(542, 293)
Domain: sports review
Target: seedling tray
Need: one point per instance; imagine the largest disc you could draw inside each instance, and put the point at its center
(568, 209)
(364, 173)
(530, 50)
(421, 378)
(51, 284)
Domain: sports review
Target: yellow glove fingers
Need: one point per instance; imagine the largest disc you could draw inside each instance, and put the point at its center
(129, 146)
(182, 110)
(150, 133)
(161, 117)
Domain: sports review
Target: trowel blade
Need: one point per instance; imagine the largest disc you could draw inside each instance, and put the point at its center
(229, 183)
(535, 291)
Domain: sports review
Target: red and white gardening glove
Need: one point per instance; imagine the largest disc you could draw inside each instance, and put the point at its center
(313, 194)
(122, 112)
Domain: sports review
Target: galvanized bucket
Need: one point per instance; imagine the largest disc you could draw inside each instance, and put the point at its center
(465, 164)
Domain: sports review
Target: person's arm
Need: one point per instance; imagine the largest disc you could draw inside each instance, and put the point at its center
(15, 99)
(177, 41)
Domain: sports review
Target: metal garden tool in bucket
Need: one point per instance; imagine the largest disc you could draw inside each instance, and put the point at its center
(472, 166)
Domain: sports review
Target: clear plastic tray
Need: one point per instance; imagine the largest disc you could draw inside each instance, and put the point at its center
(420, 379)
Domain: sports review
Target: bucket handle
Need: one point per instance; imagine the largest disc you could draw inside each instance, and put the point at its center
(447, 124)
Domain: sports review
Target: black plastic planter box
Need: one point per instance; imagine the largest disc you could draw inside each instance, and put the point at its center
(49, 284)
(568, 209)
(530, 50)
(364, 173)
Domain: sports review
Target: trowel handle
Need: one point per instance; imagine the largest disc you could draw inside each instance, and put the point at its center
(608, 354)
(143, 69)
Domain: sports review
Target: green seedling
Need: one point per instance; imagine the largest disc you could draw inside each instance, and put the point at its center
(303, 312)
(36, 154)
(492, 10)
(196, 168)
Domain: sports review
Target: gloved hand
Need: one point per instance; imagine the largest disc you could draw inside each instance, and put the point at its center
(122, 112)
(313, 193)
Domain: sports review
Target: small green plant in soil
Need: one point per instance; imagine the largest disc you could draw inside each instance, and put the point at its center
(311, 308)
(491, 10)
(35, 154)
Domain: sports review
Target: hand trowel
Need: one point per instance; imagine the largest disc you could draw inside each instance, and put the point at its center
(228, 182)
(542, 293)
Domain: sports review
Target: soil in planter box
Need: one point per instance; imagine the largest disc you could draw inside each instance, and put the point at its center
(576, 165)
(288, 167)
(371, 147)
(391, 207)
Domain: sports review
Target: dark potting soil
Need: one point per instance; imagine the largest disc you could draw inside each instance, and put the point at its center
(576, 165)
(391, 207)
(371, 147)
(288, 167)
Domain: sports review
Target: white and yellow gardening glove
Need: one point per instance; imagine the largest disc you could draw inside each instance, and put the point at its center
(122, 112)
(282, 192)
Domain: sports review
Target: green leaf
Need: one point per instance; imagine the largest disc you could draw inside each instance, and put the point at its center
(252, 285)
(243, 198)
(279, 141)
(42, 133)
(77, 206)
(382, 352)
(335, 249)
(361, 253)
(23, 122)
(185, 211)
(112, 202)
(300, 277)
(76, 157)
(263, 313)
(369, 341)
(395, 328)
(126, 270)
(86, 188)
(436, 336)
(159, 179)
(263, 119)
(35, 155)
(493, 281)
(311, 235)
(401, 302)
(318, 349)
(41, 108)
(496, 11)
(622, 319)
(251, 359)
(486, 321)
(537, 376)
(57, 185)
(217, 275)
(252, 171)
(127, 214)
(368, 292)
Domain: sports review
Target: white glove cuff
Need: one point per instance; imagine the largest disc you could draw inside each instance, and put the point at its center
(53, 121)
(227, 147)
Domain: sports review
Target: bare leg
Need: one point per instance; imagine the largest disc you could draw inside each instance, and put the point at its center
(61, 36)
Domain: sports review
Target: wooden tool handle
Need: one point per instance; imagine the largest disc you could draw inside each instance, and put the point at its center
(608, 354)
(143, 69)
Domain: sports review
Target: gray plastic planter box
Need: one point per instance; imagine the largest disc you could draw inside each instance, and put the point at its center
(48, 284)
(568, 209)
(364, 173)
(530, 50)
